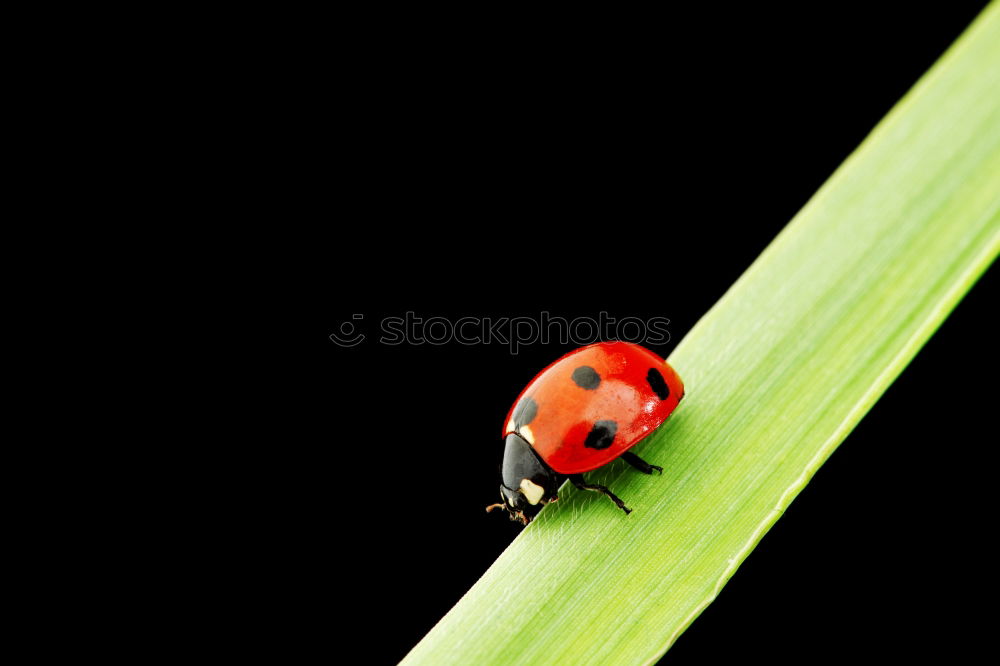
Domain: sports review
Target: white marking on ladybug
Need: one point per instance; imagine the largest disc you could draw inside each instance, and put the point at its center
(529, 436)
(510, 426)
(532, 491)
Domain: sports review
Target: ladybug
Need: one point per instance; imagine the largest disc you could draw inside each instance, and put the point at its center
(583, 411)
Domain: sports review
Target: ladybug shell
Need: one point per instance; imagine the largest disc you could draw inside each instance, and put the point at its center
(593, 404)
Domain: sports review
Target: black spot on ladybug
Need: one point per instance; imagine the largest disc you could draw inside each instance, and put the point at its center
(525, 412)
(586, 377)
(601, 435)
(657, 383)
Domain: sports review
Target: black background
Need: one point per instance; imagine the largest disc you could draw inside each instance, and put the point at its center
(638, 175)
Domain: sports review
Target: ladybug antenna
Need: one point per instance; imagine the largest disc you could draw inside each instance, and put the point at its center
(498, 505)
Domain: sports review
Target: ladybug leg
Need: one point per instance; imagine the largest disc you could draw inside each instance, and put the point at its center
(640, 464)
(578, 481)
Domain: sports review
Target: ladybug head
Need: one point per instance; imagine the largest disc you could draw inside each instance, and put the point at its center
(528, 483)
(517, 505)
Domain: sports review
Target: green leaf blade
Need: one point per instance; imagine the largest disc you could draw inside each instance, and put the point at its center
(777, 374)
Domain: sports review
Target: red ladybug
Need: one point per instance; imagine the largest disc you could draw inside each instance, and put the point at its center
(578, 414)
